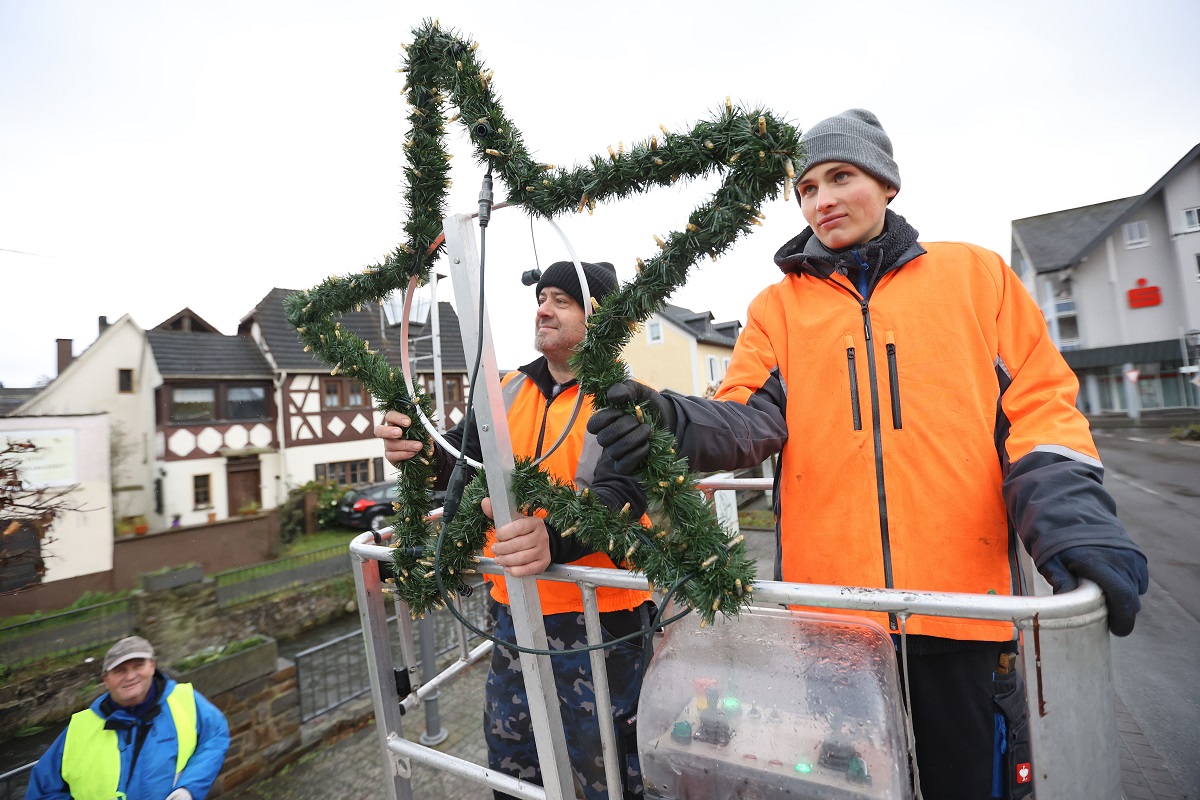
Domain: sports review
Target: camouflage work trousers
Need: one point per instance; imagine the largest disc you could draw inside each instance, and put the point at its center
(508, 728)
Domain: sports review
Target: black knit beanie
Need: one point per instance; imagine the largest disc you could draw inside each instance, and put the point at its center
(856, 137)
(601, 278)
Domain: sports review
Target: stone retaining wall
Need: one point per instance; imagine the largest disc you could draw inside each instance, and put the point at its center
(179, 622)
(264, 725)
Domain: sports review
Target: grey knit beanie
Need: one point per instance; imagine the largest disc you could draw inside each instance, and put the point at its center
(601, 278)
(854, 136)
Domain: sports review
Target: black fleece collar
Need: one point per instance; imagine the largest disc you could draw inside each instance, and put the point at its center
(538, 371)
(896, 246)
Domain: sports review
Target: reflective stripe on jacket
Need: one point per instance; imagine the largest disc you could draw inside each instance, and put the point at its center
(535, 423)
(91, 763)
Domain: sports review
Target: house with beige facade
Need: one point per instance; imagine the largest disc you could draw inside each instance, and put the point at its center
(682, 350)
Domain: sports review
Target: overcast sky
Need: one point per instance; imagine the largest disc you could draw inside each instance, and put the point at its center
(197, 153)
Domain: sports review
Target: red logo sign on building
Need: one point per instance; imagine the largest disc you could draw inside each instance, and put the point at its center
(1144, 296)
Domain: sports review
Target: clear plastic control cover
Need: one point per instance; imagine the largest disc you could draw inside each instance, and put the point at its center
(774, 704)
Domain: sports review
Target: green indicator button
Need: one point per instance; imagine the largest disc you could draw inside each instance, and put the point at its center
(731, 703)
(804, 768)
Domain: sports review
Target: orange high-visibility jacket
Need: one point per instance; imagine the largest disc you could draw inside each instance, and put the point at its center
(905, 423)
(538, 410)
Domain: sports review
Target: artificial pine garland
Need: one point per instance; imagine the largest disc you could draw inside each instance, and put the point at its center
(754, 152)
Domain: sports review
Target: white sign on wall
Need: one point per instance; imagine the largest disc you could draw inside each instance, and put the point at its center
(53, 463)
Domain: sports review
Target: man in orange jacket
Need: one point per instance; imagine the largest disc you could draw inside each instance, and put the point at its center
(539, 401)
(925, 421)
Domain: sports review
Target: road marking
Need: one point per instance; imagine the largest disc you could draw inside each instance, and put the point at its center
(1123, 479)
(1138, 439)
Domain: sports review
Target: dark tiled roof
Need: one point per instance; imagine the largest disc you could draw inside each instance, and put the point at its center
(1058, 240)
(700, 324)
(12, 399)
(1137, 353)
(288, 351)
(187, 354)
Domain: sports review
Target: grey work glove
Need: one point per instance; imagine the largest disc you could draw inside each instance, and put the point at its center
(626, 440)
(1120, 573)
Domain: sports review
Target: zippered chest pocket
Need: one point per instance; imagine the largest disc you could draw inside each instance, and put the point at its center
(893, 378)
(852, 372)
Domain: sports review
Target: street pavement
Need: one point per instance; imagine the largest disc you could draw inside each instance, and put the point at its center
(349, 764)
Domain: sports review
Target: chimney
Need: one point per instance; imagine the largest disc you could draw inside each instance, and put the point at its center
(64, 354)
(103, 323)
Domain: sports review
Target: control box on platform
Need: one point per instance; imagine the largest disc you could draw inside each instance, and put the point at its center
(774, 704)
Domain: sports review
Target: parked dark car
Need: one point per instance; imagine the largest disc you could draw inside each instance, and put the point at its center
(370, 507)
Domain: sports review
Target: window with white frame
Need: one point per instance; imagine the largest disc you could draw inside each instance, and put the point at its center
(1137, 234)
(202, 491)
(714, 369)
(1198, 266)
(654, 334)
(1191, 218)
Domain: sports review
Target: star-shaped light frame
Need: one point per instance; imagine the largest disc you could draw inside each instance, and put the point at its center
(751, 148)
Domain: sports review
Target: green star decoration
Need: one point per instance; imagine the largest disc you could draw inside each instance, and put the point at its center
(750, 148)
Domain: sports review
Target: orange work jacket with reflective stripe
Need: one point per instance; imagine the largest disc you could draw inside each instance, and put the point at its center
(535, 423)
(903, 422)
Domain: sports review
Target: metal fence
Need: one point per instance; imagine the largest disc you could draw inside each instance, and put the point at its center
(67, 632)
(259, 580)
(14, 782)
(335, 672)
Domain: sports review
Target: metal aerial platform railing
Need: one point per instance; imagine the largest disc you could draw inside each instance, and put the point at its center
(1065, 655)
(1065, 651)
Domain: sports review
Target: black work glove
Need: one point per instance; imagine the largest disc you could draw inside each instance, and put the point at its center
(626, 440)
(1119, 572)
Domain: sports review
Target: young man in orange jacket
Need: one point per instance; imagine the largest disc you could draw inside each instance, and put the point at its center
(925, 421)
(539, 400)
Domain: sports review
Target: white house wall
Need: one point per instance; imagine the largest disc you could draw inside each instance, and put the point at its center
(1101, 285)
(81, 542)
(1182, 193)
(89, 386)
(302, 460)
(178, 487)
(1156, 265)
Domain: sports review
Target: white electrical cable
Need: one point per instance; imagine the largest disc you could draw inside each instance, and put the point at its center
(406, 369)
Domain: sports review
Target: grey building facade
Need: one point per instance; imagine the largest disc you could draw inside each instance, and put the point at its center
(1119, 284)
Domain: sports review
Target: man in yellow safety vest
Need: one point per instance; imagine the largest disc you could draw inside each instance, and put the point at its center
(146, 738)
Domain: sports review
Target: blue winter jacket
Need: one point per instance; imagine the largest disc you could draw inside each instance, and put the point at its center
(154, 774)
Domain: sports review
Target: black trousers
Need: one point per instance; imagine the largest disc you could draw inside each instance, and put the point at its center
(954, 721)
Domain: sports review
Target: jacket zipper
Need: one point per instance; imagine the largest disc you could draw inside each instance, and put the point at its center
(894, 381)
(537, 453)
(855, 409)
(881, 493)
